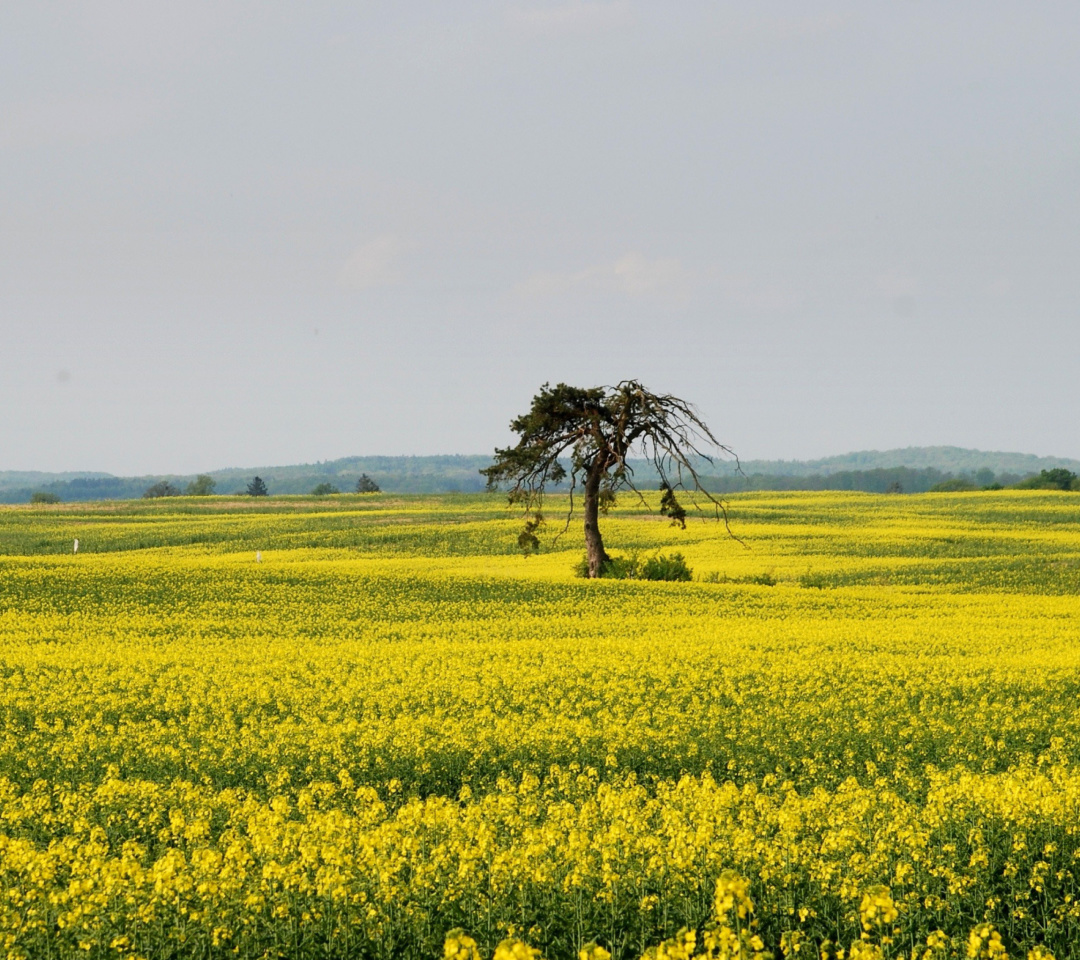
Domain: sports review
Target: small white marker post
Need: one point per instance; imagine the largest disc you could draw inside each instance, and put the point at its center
(258, 555)
(76, 548)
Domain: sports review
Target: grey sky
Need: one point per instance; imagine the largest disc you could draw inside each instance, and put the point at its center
(238, 234)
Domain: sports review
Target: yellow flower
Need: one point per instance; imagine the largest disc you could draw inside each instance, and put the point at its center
(459, 946)
(877, 908)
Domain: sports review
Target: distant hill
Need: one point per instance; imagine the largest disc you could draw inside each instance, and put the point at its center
(443, 474)
(912, 469)
(30, 477)
(955, 460)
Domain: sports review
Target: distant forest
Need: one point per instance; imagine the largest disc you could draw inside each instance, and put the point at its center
(910, 470)
(880, 480)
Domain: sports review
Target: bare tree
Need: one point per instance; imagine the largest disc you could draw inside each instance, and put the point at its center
(599, 429)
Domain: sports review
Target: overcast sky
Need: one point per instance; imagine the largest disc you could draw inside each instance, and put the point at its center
(240, 234)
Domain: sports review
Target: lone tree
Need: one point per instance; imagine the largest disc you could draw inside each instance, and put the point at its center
(598, 430)
(257, 488)
(163, 488)
(366, 485)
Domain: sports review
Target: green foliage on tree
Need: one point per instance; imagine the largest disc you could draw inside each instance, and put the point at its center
(257, 488)
(202, 486)
(598, 429)
(163, 488)
(1056, 479)
(324, 490)
(366, 485)
(42, 496)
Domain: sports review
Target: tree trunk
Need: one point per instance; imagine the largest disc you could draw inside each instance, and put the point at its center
(594, 543)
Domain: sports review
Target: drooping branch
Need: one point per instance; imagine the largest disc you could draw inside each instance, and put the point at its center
(598, 430)
(672, 435)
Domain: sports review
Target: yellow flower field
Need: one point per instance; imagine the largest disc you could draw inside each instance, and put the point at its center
(858, 735)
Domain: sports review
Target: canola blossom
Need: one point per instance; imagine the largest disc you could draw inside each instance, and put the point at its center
(393, 736)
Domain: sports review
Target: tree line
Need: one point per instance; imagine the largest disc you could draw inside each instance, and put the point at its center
(204, 486)
(878, 480)
(896, 480)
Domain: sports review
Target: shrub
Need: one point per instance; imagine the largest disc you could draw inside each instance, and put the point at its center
(814, 581)
(663, 567)
(1057, 479)
(760, 579)
(366, 485)
(1061, 478)
(202, 486)
(42, 497)
(631, 567)
(622, 568)
(614, 568)
(581, 568)
(163, 488)
(324, 490)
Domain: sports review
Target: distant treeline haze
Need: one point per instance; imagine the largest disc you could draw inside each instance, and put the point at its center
(912, 470)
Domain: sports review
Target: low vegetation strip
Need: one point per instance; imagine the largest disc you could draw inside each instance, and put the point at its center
(393, 735)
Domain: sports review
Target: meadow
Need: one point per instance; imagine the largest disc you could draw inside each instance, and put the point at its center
(854, 734)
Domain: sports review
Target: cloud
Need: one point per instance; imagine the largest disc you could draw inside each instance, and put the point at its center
(632, 275)
(374, 264)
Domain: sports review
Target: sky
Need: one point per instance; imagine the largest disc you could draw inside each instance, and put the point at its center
(239, 234)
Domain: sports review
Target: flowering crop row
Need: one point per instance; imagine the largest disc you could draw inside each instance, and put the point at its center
(392, 728)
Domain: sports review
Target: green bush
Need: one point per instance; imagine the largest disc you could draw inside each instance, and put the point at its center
(163, 488)
(614, 568)
(760, 579)
(622, 568)
(1057, 479)
(42, 497)
(814, 581)
(324, 490)
(632, 567)
(202, 486)
(662, 567)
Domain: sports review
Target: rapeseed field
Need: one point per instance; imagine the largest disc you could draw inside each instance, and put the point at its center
(393, 736)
